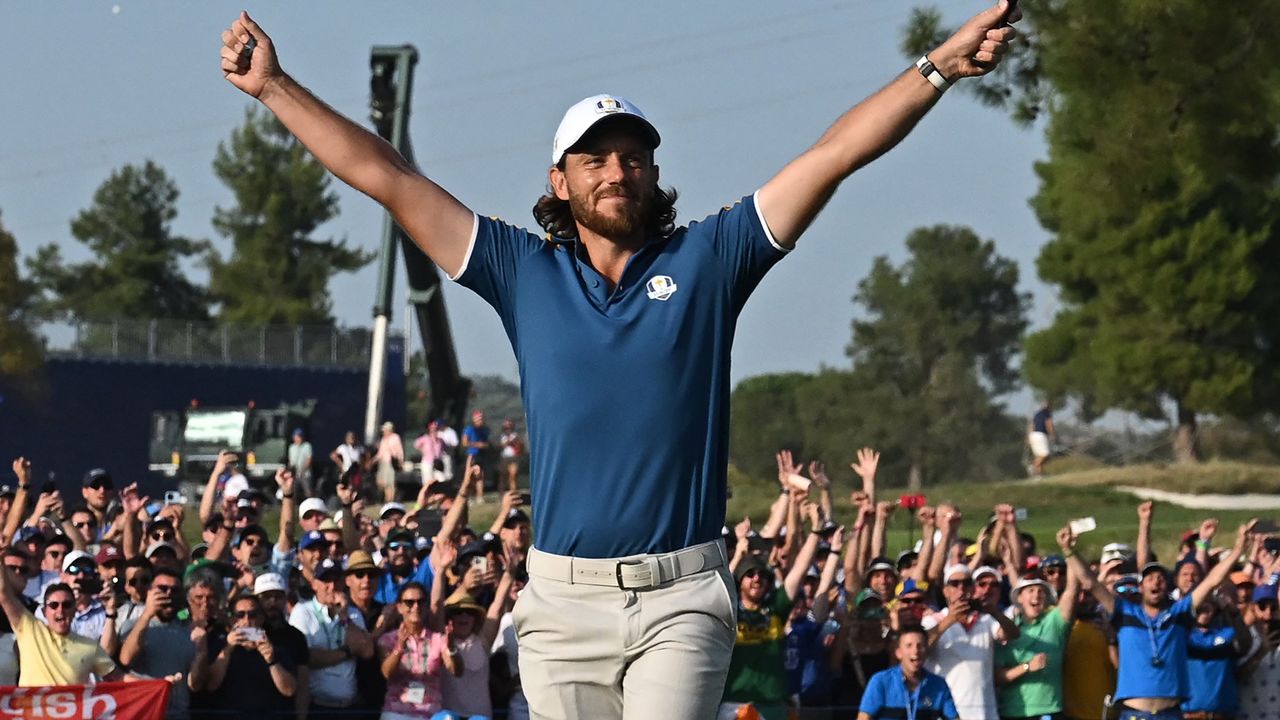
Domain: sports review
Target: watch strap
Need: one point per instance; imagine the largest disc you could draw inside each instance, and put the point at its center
(931, 73)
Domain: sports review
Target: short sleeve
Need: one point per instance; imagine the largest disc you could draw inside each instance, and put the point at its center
(103, 665)
(355, 618)
(492, 262)
(873, 697)
(743, 244)
(306, 625)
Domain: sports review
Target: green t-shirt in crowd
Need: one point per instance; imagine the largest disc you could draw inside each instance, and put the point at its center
(1036, 693)
(757, 673)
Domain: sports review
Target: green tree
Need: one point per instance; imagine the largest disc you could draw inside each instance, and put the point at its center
(278, 271)
(135, 271)
(1160, 189)
(938, 340)
(19, 349)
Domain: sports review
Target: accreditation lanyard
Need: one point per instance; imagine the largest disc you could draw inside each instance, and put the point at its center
(1154, 626)
(912, 696)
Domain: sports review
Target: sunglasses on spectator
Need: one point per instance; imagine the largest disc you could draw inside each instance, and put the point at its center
(334, 543)
(58, 604)
(752, 574)
(362, 574)
(161, 536)
(166, 588)
(1053, 570)
(411, 602)
(85, 524)
(959, 583)
(55, 552)
(246, 614)
(910, 601)
(251, 541)
(397, 545)
(100, 485)
(1267, 605)
(16, 567)
(81, 570)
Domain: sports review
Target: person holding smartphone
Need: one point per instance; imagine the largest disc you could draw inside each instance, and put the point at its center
(962, 641)
(158, 642)
(244, 673)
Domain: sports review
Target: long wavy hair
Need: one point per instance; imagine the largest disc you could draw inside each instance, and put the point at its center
(555, 216)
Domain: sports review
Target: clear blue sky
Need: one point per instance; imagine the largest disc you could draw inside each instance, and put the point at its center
(736, 88)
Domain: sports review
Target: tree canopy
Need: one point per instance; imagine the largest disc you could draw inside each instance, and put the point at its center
(278, 271)
(19, 349)
(135, 270)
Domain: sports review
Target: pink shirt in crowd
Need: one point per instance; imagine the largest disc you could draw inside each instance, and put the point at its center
(420, 669)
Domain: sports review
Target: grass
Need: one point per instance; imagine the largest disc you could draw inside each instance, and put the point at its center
(1218, 476)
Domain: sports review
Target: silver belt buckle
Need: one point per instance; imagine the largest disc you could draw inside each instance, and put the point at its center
(655, 573)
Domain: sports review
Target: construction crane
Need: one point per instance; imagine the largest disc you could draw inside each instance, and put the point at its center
(448, 391)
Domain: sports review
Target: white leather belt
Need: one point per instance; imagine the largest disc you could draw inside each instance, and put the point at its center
(637, 572)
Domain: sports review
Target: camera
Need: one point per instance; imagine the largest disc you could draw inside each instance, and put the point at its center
(975, 605)
(90, 584)
(526, 499)
(174, 497)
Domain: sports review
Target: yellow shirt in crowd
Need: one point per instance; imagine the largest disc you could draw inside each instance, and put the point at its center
(51, 659)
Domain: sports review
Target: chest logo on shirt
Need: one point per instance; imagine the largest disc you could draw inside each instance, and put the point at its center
(660, 287)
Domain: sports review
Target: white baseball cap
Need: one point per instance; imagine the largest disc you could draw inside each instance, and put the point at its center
(268, 582)
(957, 569)
(312, 504)
(76, 556)
(584, 114)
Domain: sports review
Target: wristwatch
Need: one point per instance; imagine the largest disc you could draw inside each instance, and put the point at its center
(930, 73)
(1026, 667)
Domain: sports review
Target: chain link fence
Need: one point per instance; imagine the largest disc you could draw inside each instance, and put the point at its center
(209, 343)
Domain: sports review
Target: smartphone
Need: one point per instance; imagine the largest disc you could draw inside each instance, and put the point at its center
(1266, 526)
(481, 562)
(1020, 514)
(799, 482)
(48, 487)
(526, 499)
(154, 508)
(174, 497)
(253, 634)
(1271, 545)
(1082, 525)
(975, 606)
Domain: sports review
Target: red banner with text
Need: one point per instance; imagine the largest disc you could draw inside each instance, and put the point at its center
(142, 700)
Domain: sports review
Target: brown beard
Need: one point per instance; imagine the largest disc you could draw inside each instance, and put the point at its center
(614, 227)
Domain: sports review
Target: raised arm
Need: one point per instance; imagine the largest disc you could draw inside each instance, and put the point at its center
(928, 524)
(949, 519)
(288, 510)
(17, 509)
(1220, 571)
(209, 498)
(1067, 601)
(801, 566)
(1084, 576)
(454, 520)
(439, 224)
(1146, 513)
(884, 509)
(821, 605)
(818, 471)
(1204, 541)
(791, 200)
(865, 467)
(13, 607)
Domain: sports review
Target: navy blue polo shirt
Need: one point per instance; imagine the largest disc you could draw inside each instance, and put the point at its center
(1142, 638)
(626, 391)
(1211, 665)
(886, 697)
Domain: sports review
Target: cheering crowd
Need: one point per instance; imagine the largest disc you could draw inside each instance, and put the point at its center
(406, 611)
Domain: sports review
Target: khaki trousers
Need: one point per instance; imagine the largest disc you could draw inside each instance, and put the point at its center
(588, 651)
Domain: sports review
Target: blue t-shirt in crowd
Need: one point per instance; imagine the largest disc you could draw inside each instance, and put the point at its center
(1040, 423)
(1211, 664)
(887, 698)
(389, 587)
(474, 435)
(1153, 651)
(626, 390)
(808, 672)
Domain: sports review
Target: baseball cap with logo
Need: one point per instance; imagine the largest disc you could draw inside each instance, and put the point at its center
(584, 115)
(311, 539)
(76, 556)
(269, 582)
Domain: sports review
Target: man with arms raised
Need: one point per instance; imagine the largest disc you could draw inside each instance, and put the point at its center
(1152, 633)
(629, 448)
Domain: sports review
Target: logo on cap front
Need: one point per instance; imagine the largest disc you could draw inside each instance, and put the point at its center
(660, 287)
(608, 105)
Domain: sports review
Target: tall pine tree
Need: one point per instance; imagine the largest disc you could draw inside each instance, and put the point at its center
(278, 271)
(135, 271)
